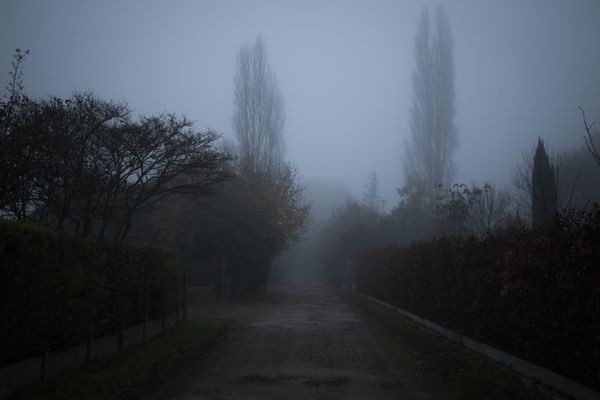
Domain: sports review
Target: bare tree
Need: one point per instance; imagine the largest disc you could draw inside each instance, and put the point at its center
(82, 166)
(75, 175)
(165, 156)
(433, 137)
(272, 207)
(258, 110)
(258, 121)
(491, 211)
(14, 89)
(590, 141)
(453, 213)
(17, 145)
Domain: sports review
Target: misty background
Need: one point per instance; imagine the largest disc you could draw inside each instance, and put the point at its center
(439, 156)
(344, 68)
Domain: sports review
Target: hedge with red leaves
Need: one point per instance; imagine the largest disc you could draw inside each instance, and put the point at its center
(532, 294)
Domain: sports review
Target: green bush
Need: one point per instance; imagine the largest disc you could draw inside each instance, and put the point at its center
(56, 292)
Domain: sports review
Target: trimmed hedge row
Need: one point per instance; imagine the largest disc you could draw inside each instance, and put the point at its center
(57, 292)
(532, 294)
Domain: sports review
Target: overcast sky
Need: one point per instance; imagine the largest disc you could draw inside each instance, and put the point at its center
(344, 67)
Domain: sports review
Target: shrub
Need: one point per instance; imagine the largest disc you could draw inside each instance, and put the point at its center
(533, 294)
(56, 292)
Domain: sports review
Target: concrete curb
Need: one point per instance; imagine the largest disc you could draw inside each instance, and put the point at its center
(550, 378)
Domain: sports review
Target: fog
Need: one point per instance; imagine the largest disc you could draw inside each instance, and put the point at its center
(344, 67)
(433, 156)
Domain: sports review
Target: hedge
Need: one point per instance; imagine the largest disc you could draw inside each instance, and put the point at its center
(57, 292)
(533, 294)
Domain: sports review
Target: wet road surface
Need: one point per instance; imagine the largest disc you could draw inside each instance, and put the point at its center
(308, 344)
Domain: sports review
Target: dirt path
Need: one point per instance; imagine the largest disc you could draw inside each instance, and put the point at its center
(307, 345)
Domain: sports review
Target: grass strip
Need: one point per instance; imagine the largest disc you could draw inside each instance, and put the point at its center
(134, 371)
(449, 369)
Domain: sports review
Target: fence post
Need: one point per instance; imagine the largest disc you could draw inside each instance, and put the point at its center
(184, 293)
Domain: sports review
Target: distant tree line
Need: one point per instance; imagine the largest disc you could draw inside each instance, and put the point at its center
(544, 187)
(431, 204)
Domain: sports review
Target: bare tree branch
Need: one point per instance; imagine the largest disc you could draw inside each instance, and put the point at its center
(589, 139)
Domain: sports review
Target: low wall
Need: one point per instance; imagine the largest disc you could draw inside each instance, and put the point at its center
(550, 378)
(37, 369)
(104, 346)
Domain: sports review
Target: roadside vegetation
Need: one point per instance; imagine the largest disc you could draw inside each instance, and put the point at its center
(448, 369)
(141, 369)
(135, 371)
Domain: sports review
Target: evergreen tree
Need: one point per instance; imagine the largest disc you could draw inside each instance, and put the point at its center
(543, 187)
(370, 198)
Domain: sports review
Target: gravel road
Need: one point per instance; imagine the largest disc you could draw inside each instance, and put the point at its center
(306, 345)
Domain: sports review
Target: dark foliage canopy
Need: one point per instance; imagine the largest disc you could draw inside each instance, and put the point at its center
(83, 165)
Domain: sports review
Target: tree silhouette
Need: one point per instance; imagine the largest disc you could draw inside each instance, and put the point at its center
(370, 198)
(433, 137)
(259, 116)
(544, 195)
(590, 141)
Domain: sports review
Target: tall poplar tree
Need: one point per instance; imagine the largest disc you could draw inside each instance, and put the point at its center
(259, 115)
(433, 137)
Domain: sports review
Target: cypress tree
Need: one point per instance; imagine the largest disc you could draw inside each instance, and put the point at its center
(544, 188)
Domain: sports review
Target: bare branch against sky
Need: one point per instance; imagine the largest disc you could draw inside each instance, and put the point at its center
(344, 68)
